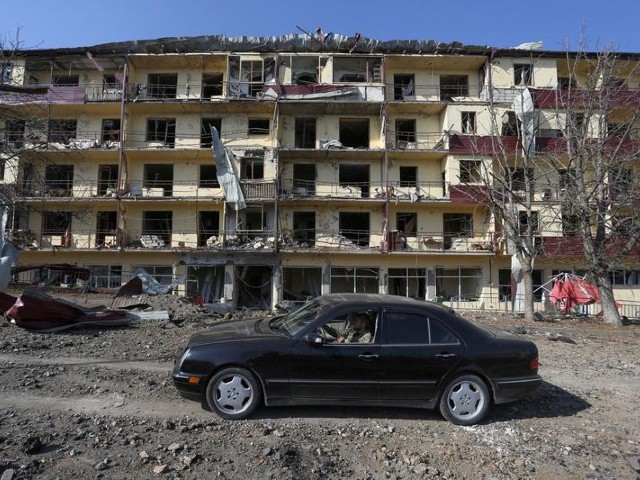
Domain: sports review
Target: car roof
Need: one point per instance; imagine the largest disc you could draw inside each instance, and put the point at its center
(379, 299)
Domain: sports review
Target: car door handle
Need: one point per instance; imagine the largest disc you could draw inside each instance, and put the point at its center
(368, 356)
(445, 355)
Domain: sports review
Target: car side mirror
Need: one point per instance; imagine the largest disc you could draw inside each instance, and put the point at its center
(314, 339)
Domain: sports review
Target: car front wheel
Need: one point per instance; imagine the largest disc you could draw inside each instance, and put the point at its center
(465, 400)
(233, 393)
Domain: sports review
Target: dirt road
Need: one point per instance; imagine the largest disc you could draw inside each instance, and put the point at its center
(99, 404)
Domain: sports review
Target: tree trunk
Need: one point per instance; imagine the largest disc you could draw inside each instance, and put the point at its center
(610, 312)
(528, 295)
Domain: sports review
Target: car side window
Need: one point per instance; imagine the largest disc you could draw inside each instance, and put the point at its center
(404, 328)
(439, 334)
(352, 327)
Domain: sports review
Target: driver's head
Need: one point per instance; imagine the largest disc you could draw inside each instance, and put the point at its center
(360, 322)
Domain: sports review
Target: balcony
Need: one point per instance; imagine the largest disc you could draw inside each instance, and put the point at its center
(396, 191)
(577, 98)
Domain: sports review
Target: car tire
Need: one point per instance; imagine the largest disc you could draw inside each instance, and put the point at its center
(465, 400)
(233, 393)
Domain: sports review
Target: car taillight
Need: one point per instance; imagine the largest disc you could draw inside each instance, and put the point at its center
(533, 364)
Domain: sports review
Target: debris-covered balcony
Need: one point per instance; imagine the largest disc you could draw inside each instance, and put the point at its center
(405, 138)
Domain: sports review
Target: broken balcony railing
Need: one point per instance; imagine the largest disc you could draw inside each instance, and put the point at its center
(396, 190)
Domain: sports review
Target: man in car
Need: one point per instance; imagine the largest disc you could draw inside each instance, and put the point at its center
(360, 330)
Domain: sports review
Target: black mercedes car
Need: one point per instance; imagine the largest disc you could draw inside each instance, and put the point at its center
(358, 349)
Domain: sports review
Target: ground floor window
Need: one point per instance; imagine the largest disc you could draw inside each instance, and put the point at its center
(504, 285)
(163, 274)
(105, 276)
(301, 283)
(408, 282)
(459, 283)
(206, 281)
(625, 277)
(354, 280)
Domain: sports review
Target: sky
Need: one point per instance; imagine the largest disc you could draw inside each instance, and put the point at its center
(560, 24)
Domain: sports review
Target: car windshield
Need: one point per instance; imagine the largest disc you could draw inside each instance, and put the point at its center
(292, 323)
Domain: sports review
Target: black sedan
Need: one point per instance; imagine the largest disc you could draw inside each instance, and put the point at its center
(358, 349)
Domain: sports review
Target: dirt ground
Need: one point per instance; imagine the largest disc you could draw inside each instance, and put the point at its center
(99, 403)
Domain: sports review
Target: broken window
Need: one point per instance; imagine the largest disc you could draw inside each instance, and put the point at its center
(567, 83)
(522, 74)
(301, 283)
(253, 168)
(61, 131)
(456, 225)
(107, 179)
(208, 176)
(211, 85)
(157, 226)
(110, 82)
(105, 276)
(162, 273)
(405, 133)
(468, 122)
(354, 132)
(355, 227)
(306, 69)
(111, 130)
(620, 184)
(567, 183)
(354, 177)
(162, 85)
(66, 80)
(355, 280)
(470, 171)
(408, 176)
(158, 180)
(251, 219)
(254, 284)
(454, 86)
(528, 221)
(305, 134)
(259, 126)
(304, 227)
(510, 124)
(56, 223)
(304, 179)
(407, 223)
(205, 131)
(408, 282)
(58, 180)
(162, 130)
(519, 178)
(106, 226)
(5, 73)
(505, 283)
(570, 223)
(403, 86)
(252, 75)
(208, 228)
(459, 284)
(14, 133)
(357, 69)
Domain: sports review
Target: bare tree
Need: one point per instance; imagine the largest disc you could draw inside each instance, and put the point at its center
(597, 164)
(580, 143)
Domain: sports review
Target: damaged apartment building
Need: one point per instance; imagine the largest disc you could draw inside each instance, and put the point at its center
(255, 171)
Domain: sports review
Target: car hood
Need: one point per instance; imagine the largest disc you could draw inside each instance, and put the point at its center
(236, 330)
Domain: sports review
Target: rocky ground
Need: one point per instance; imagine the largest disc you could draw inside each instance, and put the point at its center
(98, 403)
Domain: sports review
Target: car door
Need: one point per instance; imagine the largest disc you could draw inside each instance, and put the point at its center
(331, 372)
(417, 352)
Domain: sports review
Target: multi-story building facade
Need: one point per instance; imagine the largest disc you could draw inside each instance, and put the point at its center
(347, 166)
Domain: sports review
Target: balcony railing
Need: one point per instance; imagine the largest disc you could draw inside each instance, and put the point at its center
(406, 191)
(343, 239)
